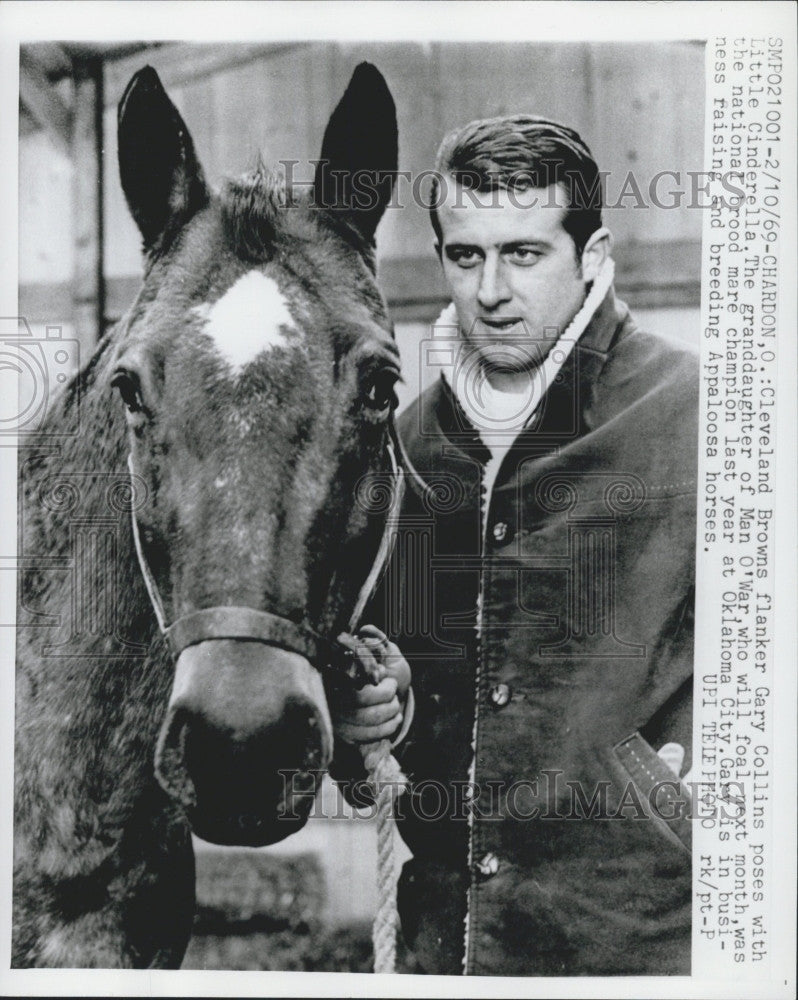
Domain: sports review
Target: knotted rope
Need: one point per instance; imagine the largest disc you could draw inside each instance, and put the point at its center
(387, 782)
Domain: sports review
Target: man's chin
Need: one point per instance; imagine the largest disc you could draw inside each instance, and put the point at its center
(513, 357)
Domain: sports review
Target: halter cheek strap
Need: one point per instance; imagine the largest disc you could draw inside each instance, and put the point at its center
(251, 624)
(144, 566)
(388, 539)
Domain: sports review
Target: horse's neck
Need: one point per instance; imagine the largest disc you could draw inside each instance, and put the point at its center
(74, 507)
(63, 467)
(90, 685)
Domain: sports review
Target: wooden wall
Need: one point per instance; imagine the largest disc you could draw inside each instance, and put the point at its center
(639, 106)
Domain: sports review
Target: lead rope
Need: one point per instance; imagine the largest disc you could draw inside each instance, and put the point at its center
(384, 774)
(387, 779)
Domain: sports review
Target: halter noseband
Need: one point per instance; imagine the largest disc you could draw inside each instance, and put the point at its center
(250, 624)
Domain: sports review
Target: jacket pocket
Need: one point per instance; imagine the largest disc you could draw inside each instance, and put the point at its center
(664, 796)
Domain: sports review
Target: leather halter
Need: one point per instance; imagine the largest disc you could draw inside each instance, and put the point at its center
(251, 624)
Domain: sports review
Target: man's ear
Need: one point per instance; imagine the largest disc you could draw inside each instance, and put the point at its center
(597, 250)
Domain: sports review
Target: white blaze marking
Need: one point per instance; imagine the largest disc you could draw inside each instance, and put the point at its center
(247, 319)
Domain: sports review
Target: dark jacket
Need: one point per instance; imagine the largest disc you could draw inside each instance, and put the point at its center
(570, 635)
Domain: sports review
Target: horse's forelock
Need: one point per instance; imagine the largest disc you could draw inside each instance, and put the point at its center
(251, 208)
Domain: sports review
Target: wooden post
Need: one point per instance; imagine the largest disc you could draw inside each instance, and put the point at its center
(88, 295)
(43, 102)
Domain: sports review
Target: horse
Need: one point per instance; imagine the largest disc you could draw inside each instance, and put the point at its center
(193, 536)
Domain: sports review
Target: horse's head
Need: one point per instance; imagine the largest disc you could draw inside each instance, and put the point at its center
(256, 369)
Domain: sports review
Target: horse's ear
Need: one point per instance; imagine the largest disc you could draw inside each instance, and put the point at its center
(359, 155)
(161, 176)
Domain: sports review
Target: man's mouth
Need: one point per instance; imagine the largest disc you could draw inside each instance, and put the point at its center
(503, 323)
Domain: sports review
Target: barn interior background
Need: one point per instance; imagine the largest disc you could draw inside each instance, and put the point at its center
(639, 106)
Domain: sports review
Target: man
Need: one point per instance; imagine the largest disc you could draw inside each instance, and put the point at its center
(542, 591)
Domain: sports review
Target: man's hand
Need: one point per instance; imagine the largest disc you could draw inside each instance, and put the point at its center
(375, 711)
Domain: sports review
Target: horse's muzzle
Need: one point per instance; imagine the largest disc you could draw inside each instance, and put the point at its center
(246, 737)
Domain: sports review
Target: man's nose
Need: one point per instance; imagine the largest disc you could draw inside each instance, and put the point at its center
(493, 287)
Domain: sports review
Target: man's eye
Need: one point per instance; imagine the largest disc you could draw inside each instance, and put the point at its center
(463, 256)
(525, 255)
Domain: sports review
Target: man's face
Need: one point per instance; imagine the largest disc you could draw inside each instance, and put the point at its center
(512, 271)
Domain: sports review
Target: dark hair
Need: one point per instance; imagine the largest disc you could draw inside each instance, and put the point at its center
(516, 152)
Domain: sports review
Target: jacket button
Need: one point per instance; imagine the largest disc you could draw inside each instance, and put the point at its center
(500, 695)
(500, 531)
(487, 866)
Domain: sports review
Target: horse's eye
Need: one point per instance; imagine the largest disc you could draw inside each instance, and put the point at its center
(380, 395)
(129, 389)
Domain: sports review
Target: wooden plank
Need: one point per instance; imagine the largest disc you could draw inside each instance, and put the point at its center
(43, 103)
(658, 266)
(46, 238)
(88, 284)
(46, 302)
(647, 117)
(180, 62)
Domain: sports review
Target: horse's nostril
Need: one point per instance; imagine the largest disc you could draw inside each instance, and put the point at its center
(228, 764)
